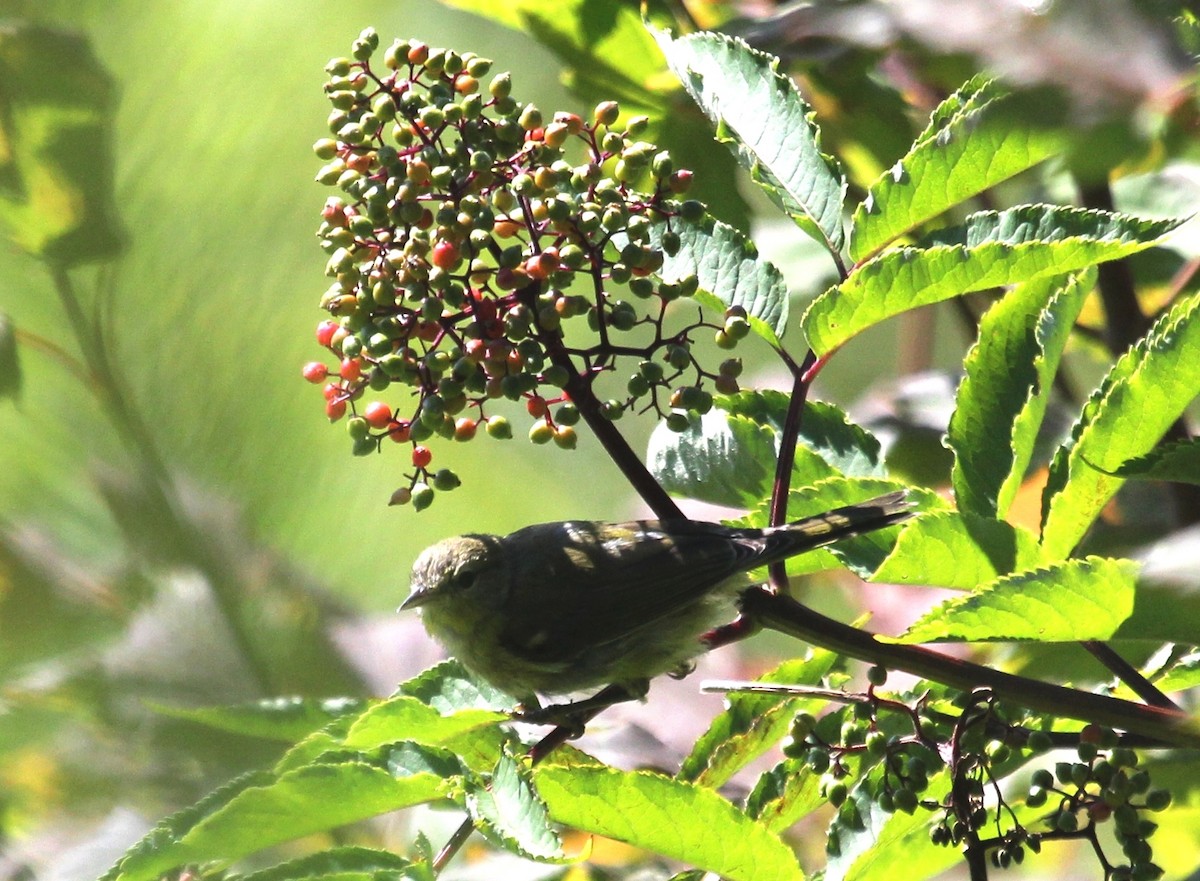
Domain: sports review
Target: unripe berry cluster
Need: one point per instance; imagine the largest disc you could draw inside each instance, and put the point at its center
(889, 749)
(470, 233)
(1105, 783)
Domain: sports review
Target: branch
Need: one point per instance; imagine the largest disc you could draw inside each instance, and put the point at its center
(781, 613)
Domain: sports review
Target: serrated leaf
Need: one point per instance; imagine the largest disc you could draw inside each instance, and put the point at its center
(1008, 376)
(1144, 392)
(720, 458)
(1069, 601)
(678, 820)
(883, 847)
(784, 795)
(729, 270)
(862, 554)
(510, 812)
(276, 808)
(759, 113)
(825, 429)
(449, 686)
(283, 718)
(338, 864)
(752, 723)
(406, 718)
(977, 138)
(1178, 462)
(728, 456)
(991, 249)
(963, 551)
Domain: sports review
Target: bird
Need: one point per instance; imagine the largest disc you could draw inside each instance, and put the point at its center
(560, 608)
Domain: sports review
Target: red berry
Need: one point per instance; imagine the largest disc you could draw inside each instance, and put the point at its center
(331, 390)
(378, 414)
(334, 212)
(398, 430)
(540, 266)
(335, 409)
(325, 332)
(360, 162)
(536, 407)
(464, 429)
(476, 351)
(315, 371)
(421, 457)
(351, 369)
(445, 255)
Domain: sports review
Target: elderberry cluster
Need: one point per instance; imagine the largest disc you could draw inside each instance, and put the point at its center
(470, 235)
(888, 750)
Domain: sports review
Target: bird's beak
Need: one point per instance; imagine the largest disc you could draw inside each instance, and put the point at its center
(418, 597)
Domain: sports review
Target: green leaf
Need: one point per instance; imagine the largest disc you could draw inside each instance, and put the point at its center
(510, 812)
(270, 809)
(784, 795)
(1144, 392)
(1183, 675)
(1008, 378)
(1178, 462)
(883, 847)
(728, 456)
(759, 113)
(991, 249)
(1068, 601)
(976, 138)
(752, 723)
(283, 718)
(730, 273)
(948, 549)
(56, 162)
(406, 718)
(720, 458)
(604, 46)
(338, 864)
(847, 448)
(678, 820)
(449, 686)
(10, 364)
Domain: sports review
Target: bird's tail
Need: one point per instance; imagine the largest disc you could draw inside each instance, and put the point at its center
(823, 529)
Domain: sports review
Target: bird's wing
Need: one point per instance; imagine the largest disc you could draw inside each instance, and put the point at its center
(607, 582)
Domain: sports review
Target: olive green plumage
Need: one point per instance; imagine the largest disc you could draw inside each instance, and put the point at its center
(561, 607)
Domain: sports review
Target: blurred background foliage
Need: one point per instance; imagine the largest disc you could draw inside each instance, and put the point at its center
(180, 525)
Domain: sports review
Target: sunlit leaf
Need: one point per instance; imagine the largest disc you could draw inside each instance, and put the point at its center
(976, 138)
(991, 249)
(949, 549)
(1008, 378)
(509, 811)
(1125, 417)
(730, 273)
(678, 820)
(760, 114)
(1069, 601)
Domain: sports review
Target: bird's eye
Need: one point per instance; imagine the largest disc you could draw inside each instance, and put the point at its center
(465, 577)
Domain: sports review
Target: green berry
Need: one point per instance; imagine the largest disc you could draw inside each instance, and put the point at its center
(446, 480)
(422, 496)
(499, 428)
